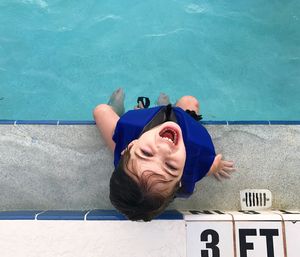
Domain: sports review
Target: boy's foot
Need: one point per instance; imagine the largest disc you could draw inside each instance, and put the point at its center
(163, 99)
(116, 101)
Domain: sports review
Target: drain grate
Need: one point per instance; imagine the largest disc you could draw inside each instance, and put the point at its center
(255, 199)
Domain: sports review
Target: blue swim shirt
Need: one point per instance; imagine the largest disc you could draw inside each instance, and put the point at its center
(200, 152)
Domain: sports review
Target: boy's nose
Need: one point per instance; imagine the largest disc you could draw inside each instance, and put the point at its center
(164, 148)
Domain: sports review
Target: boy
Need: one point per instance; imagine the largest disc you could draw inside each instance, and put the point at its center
(159, 152)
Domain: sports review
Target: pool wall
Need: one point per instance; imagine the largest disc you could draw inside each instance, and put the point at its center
(66, 165)
(177, 234)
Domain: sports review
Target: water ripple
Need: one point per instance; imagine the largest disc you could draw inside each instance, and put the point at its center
(41, 3)
(108, 17)
(176, 31)
(194, 8)
(63, 29)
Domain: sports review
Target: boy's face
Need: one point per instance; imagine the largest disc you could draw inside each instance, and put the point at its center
(159, 156)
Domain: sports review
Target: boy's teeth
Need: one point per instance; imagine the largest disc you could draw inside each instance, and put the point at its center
(168, 139)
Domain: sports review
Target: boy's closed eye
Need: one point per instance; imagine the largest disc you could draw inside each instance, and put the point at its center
(146, 153)
(149, 154)
(171, 167)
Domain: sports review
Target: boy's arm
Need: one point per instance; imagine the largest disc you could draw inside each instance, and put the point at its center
(106, 120)
(221, 168)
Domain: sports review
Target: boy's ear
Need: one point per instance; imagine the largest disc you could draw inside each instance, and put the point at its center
(129, 146)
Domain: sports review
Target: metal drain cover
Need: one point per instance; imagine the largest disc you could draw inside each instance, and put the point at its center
(256, 199)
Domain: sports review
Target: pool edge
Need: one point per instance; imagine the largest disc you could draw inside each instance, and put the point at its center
(91, 122)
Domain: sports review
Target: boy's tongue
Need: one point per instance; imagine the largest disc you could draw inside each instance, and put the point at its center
(168, 134)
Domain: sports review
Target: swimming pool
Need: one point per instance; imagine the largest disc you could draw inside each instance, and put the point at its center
(59, 59)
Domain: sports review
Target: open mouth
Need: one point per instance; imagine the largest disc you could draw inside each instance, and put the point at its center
(169, 134)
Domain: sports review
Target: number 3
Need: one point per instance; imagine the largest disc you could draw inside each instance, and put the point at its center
(210, 245)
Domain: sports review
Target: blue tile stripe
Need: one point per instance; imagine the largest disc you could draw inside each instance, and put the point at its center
(62, 215)
(18, 215)
(91, 122)
(47, 122)
(170, 215)
(105, 215)
(282, 122)
(253, 122)
(88, 215)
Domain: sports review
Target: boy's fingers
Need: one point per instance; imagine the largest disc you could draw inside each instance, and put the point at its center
(139, 106)
(224, 174)
(217, 176)
(229, 169)
(228, 163)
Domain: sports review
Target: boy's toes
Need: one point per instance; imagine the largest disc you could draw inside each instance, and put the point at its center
(117, 95)
(163, 99)
(117, 101)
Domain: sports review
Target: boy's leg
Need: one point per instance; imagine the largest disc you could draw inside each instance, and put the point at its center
(107, 115)
(188, 102)
(106, 120)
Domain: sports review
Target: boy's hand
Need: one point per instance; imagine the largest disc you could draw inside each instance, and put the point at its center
(143, 103)
(139, 106)
(221, 169)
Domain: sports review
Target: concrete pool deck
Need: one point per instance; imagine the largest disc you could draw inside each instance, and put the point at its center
(68, 167)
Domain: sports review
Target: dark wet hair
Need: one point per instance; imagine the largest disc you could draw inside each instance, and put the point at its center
(136, 200)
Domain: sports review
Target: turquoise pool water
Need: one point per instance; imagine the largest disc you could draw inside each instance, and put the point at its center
(60, 58)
